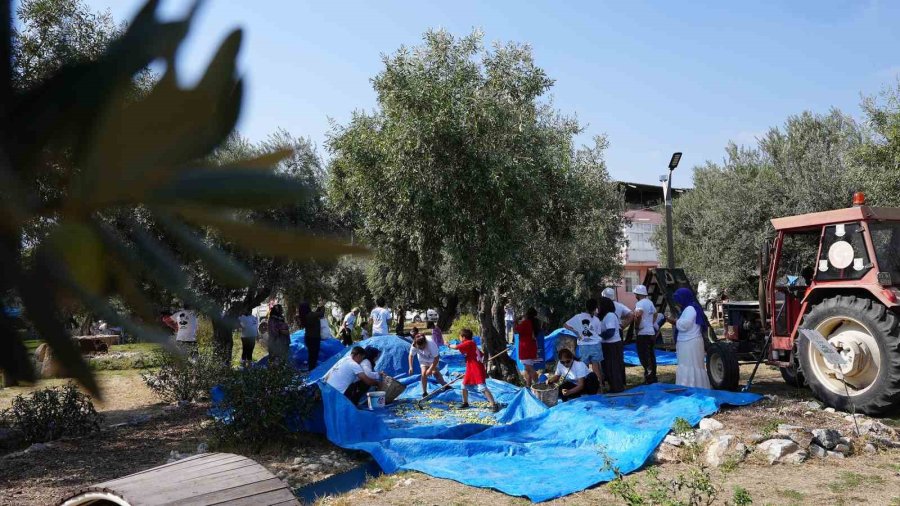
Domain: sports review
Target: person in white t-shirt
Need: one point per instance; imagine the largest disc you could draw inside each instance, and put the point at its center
(186, 336)
(573, 377)
(587, 327)
(510, 319)
(337, 314)
(623, 312)
(380, 317)
(346, 331)
(427, 352)
(249, 334)
(613, 347)
(645, 319)
(349, 378)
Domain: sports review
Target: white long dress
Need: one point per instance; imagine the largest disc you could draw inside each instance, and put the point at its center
(691, 370)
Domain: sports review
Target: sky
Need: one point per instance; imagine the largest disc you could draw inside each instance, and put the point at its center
(655, 77)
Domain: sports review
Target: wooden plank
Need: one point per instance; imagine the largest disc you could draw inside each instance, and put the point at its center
(206, 456)
(198, 484)
(197, 468)
(269, 491)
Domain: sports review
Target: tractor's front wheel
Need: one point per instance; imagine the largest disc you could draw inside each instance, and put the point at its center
(722, 366)
(867, 335)
(792, 375)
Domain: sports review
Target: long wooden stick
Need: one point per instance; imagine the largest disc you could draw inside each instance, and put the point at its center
(626, 394)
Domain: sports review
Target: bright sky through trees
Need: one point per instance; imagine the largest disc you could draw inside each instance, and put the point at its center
(655, 76)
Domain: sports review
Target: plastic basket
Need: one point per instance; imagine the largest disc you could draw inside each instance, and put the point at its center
(392, 389)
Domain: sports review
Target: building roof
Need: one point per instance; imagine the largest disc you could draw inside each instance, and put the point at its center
(644, 196)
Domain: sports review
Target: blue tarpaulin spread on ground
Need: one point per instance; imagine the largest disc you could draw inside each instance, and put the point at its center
(631, 356)
(526, 449)
(300, 354)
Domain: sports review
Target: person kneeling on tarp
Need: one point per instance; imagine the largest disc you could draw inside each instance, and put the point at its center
(576, 379)
(349, 378)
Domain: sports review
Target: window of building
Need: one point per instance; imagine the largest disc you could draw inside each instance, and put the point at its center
(640, 242)
(632, 278)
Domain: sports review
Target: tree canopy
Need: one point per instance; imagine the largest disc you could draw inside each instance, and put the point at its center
(465, 181)
(814, 162)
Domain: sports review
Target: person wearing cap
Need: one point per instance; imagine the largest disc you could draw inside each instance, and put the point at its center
(623, 312)
(645, 320)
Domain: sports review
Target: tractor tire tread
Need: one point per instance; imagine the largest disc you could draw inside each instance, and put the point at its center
(886, 399)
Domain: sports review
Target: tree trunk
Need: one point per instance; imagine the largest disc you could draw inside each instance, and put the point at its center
(400, 320)
(493, 337)
(447, 313)
(223, 330)
(86, 324)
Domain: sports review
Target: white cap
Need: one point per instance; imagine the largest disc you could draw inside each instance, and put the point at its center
(609, 293)
(640, 290)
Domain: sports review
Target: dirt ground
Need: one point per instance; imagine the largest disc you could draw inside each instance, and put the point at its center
(37, 478)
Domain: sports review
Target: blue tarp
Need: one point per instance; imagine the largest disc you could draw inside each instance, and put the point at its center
(526, 449)
(631, 356)
(300, 354)
(535, 452)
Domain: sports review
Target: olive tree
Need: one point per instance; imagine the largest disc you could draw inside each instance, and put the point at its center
(800, 167)
(464, 175)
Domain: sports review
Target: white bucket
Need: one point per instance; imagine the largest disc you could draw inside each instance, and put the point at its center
(376, 400)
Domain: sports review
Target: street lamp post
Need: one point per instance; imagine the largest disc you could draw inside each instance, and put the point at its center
(670, 243)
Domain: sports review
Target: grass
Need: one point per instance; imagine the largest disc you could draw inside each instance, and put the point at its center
(135, 347)
(771, 427)
(792, 496)
(848, 481)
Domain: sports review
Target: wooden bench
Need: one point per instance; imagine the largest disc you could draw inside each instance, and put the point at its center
(208, 478)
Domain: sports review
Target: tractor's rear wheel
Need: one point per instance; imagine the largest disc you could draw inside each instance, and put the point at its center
(722, 366)
(868, 337)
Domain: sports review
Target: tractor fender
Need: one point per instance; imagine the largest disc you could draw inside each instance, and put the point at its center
(821, 292)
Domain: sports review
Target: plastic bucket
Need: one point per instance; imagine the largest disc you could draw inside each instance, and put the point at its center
(548, 394)
(376, 400)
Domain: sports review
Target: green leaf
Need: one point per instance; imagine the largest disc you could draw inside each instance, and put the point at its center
(265, 240)
(223, 267)
(235, 188)
(72, 98)
(37, 293)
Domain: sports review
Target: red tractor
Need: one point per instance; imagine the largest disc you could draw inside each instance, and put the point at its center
(836, 272)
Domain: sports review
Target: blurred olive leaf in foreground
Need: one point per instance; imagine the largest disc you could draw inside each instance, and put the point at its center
(132, 158)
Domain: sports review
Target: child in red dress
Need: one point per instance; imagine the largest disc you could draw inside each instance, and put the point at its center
(476, 376)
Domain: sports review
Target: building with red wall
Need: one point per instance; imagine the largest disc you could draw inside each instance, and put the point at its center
(645, 213)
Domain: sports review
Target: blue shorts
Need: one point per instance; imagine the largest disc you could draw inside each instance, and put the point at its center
(590, 353)
(480, 388)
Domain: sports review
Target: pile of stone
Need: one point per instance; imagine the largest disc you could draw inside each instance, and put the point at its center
(789, 444)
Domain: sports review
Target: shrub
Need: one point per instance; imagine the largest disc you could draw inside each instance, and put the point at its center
(261, 405)
(182, 379)
(52, 413)
(463, 321)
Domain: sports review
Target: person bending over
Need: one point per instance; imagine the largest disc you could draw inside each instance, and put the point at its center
(349, 377)
(428, 355)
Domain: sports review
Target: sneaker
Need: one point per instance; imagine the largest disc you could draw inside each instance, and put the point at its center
(463, 405)
(424, 394)
(495, 408)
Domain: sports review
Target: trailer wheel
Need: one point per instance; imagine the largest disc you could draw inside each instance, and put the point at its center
(868, 337)
(722, 366)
